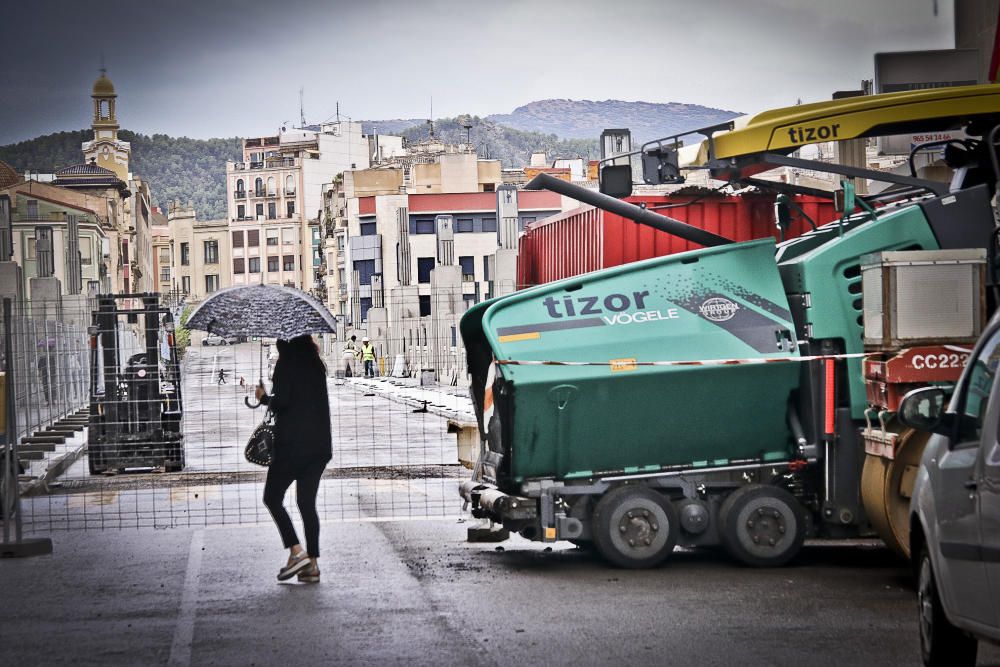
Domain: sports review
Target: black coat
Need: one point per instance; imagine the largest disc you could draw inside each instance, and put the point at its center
(301, 410)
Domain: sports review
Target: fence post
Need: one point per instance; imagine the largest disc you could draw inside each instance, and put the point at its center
(14, 544)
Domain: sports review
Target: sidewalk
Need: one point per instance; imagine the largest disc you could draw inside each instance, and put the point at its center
(443, 400)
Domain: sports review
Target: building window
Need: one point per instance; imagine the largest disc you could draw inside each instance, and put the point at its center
(425, 305)
(241, 212)
(486, 267)
(424, 267)
(272, 264)
(365, 303)
(32, 211)
(342, 276)
(463, 225)
(365, 269)
(272, 237)
(185, 254)
(212, 252)
(259, 209)
(253, 238)
(238, 265)
(288, 262)
(421, 225)
(87, 252)
(258, 187)
(186, 284)
(164, 255)
(237, 238)
(288, 235)
(524, 221)
(340, 242)
(470, 301)
(241, 191)
(468, 265)
(290, 208)
(211, 283)
(164, 274)
(289, 185)
(489, 224)
(253, 264)
(271, 189)
(368, 228)
(272, 210)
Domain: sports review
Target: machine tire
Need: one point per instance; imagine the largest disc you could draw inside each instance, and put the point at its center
(941, 643)
(94, 463)
(762, 525)
(638, 515)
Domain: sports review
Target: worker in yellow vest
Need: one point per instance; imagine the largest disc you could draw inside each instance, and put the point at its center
(368, 357)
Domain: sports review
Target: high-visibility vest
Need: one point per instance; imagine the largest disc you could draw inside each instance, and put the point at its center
(368, 352)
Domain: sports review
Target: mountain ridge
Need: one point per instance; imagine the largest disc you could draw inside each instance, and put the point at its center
(195, 169)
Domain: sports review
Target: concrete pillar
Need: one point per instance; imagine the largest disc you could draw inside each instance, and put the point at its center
(447, 306)
(46, 298)
(505, 272)
(11, 286)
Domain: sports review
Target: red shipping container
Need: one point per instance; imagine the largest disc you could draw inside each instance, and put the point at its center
(588, 239)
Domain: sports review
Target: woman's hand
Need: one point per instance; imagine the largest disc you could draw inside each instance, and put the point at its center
(259, 392)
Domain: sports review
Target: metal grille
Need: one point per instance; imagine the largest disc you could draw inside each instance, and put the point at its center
(99, 383)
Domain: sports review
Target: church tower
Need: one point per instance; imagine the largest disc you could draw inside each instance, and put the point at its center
(106, 150)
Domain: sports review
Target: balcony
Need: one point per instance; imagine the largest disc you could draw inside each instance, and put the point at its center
(278, 162)
(256, 165)
(258, 193)
(290, 193)
(240, 194)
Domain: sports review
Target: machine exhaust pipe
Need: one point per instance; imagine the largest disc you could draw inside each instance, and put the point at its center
(626, 210)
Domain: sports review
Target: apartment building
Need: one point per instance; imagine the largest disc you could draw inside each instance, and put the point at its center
(274, 197)
(201, 254)
(391, 239)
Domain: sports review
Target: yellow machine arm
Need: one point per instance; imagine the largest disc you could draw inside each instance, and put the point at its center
(781, 131)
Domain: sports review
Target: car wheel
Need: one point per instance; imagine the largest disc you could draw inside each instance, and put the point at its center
(635, 527)
(941, 643)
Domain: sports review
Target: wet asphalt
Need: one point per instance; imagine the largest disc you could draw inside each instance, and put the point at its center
(416, 592)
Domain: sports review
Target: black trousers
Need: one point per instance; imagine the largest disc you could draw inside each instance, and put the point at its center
(306, 477)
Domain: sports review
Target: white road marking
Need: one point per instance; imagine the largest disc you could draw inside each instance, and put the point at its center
(180, 649)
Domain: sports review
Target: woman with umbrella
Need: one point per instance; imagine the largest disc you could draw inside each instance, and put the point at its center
(298, 400)
(302, 449)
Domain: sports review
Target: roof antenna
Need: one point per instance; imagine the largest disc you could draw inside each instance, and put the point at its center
(430, 121)
(104, 70)
(302, 108)
(338, 111)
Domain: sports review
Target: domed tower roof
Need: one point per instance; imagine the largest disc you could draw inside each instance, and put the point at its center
(103, 87)
(8, 176)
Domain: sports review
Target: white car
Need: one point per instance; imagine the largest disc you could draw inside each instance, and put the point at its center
(955, 509)
(214, 339)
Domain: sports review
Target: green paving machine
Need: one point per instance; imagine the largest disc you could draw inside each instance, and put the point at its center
(717, 397)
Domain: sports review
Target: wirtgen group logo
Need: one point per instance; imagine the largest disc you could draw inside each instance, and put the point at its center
(718, 309)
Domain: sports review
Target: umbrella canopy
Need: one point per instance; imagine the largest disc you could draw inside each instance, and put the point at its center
(262, 310)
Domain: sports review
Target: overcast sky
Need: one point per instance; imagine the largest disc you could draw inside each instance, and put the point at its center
(213, 68)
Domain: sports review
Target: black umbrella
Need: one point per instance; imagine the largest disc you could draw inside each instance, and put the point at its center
(270, 311)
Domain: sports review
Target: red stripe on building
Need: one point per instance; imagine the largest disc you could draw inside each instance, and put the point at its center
(444, 203)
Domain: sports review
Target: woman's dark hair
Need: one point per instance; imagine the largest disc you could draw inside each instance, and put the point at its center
(299, 354)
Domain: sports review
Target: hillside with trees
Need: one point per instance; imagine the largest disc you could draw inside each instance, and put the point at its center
(176, 167)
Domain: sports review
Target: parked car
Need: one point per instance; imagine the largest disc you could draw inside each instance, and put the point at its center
(213, 339)
(955, 508)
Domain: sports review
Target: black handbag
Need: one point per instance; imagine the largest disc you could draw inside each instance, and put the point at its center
(260, 447)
